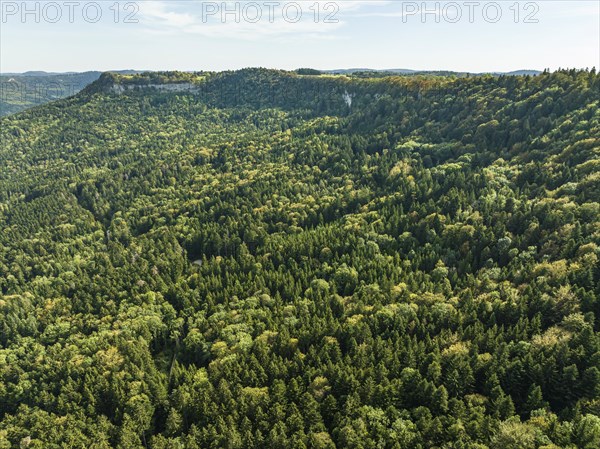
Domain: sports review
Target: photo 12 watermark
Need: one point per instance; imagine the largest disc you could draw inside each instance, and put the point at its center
(469, 12)
(68, 12)
(266, 12)
(330, 12)
(254, 12)
(35, 91)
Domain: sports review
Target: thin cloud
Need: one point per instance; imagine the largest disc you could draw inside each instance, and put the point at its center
(156, 13)
(166, 17)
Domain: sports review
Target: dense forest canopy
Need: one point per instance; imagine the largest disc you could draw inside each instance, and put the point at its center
(268, 259)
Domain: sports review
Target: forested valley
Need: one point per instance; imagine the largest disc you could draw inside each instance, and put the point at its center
(268, 259)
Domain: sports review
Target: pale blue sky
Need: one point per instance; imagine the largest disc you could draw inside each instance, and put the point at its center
(191, 35)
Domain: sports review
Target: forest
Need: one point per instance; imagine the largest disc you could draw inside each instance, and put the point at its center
(298, 260)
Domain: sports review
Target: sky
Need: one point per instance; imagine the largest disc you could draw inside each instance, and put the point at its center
(473, 36)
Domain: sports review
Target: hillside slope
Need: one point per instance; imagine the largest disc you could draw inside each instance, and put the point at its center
(262, 259)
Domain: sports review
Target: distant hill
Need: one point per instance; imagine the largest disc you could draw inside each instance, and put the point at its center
(20, 91)
(522, 72)
(427, 72)
(350, 71)
(43, 73)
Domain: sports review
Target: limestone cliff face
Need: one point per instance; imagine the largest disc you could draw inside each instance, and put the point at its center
(182, 87)
(116, 84)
